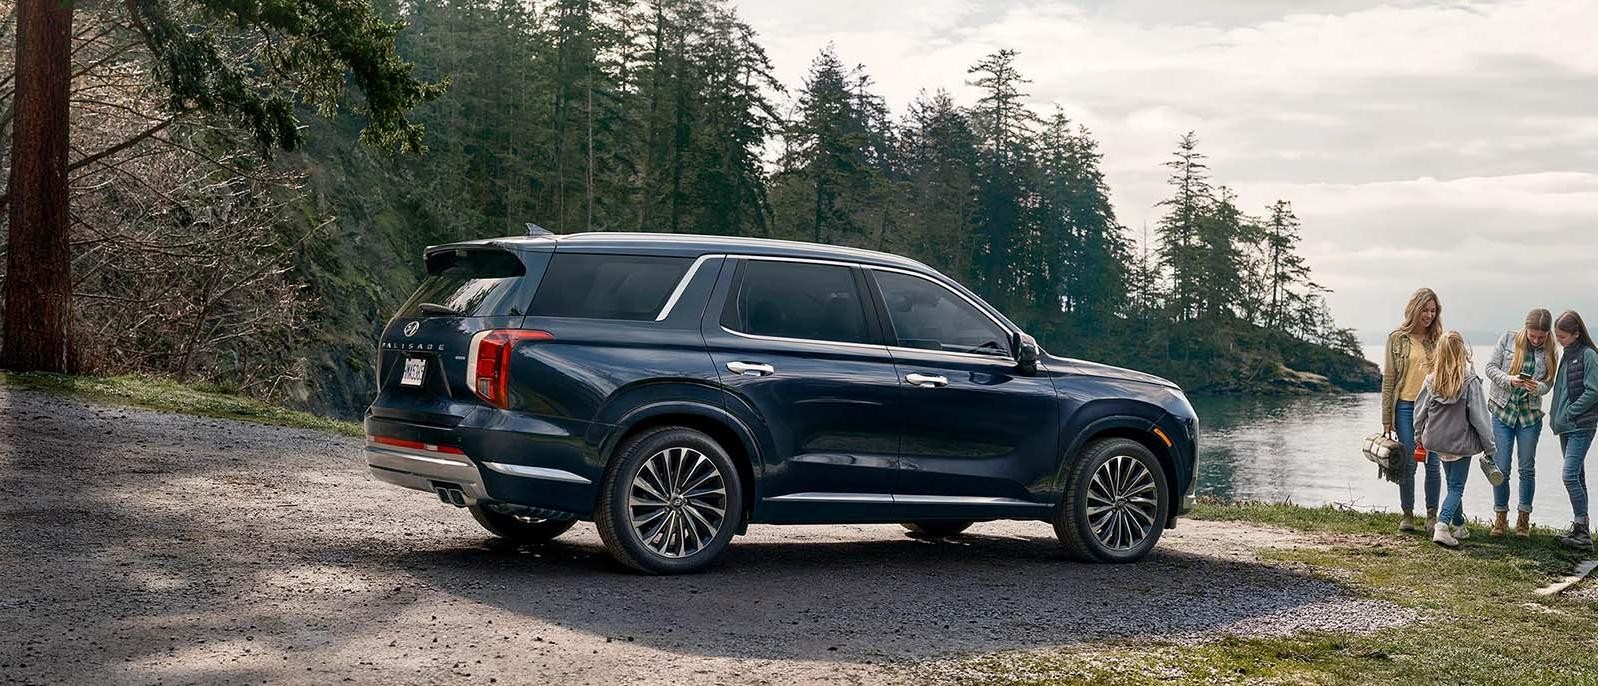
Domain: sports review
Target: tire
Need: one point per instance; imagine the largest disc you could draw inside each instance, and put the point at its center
(658, 505)
(525, 530)
(938, 528)
(1128, 526)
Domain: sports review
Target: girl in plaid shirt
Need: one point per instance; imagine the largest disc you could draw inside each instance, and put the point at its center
(1519, 373)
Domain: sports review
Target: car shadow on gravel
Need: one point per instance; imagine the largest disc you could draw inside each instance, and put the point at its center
(864, 600)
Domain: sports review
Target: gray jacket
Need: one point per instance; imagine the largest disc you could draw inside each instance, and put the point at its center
(1498, 376)
(1458, 427)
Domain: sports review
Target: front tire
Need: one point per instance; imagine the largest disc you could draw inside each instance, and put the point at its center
(671, 501)
(525, 530)
(938, 528)
(1116, 503)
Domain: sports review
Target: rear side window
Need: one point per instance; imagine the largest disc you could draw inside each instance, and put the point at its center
(629, 287)
(472, 283)
(817, 302)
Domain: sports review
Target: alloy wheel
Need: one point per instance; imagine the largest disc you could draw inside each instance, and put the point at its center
(677, 502)
(1121, 504)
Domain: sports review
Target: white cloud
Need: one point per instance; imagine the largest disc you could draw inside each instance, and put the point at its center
(1419, 140)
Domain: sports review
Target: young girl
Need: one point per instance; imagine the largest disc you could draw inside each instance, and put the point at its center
(1520, 372)
(1405, 366)
(1451, 420)
(1575, 416)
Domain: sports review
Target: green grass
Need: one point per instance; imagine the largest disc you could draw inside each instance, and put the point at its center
(1480, 621)
(170, 396)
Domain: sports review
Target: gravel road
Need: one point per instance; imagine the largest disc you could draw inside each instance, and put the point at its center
(142, 547)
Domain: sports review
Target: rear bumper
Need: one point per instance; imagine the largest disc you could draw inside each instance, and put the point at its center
(480, 482)
(425, 470)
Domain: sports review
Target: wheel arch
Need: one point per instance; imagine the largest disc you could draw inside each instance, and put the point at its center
(1138, 429)
(726, 429)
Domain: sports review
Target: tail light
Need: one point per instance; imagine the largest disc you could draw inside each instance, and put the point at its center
(488, 365)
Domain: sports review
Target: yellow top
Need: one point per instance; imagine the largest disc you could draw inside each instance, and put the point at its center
(1416, 368)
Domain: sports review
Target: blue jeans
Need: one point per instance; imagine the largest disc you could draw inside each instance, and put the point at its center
(1456, 471)
(1575, 445)
(1404, 422)
(1507, 439)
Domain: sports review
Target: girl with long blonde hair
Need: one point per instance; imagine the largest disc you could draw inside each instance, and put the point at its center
(1451, 420)
(1519, 373)
(1405, 364)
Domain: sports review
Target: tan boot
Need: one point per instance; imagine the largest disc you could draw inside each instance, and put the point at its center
(1407, 522)
(1500, 524)
(1523, 525)
(1431, 518)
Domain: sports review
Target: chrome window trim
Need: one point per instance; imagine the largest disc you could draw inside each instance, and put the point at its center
(537, 472)
(810, 341)
(682, 285)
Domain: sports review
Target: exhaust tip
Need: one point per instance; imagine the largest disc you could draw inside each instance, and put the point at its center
(443, 495)
(457, 498)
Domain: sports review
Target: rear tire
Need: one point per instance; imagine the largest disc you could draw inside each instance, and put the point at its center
(526, 530)
(1116, 502)
(937, 528)
(671, 501)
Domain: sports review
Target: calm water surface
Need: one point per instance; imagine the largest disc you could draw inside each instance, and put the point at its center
(1307, 450)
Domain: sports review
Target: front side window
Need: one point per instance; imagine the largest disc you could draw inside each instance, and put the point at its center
(929, 316)
(627, 287)
(797, 300)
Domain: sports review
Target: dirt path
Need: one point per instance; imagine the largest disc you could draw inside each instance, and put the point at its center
(142, 547)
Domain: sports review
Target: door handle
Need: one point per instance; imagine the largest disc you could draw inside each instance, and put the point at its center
(750, 368)
(927, 380)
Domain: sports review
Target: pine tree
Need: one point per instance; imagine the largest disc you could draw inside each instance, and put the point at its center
(1005, 124)
(1180, 248)
(1284, 268)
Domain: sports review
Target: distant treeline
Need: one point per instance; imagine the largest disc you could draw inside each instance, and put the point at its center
(614, 115)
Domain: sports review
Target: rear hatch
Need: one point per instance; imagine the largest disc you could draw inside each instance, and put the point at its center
(424, 350)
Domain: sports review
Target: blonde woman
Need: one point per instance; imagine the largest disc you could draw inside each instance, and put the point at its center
(1451, 420)
(1405, 365)
(1519, 373)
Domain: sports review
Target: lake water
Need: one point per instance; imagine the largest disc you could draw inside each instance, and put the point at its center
(1307, 450)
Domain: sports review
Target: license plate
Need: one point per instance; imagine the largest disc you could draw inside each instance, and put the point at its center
(415, 367)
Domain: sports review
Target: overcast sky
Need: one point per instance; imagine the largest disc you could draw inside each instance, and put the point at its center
(1447, 144)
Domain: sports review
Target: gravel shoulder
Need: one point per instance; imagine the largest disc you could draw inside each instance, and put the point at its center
(142, 547)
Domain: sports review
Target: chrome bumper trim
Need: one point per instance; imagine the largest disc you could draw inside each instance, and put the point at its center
(536, 472)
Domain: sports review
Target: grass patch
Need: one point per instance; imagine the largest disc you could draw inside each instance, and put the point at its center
(170, 396)
(1480, 623)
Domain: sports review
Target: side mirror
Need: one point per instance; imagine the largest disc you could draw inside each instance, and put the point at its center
(1026, 352)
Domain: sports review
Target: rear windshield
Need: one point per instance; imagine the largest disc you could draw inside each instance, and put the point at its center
(631, 287)
(473, 283)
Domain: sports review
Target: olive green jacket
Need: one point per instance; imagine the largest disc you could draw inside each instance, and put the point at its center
(1394, 362)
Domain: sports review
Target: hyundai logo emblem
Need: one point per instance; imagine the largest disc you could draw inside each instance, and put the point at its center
(412, 328)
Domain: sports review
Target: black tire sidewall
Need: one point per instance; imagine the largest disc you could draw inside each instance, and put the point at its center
(1073, 511)
(618, 482)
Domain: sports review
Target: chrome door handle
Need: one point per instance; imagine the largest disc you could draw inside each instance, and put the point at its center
(927, 380)
(750, 368)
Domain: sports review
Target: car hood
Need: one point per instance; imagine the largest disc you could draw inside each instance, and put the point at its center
(1103, 370)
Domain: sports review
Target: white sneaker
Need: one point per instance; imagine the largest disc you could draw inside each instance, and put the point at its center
(1441, 535)
(1460, 532)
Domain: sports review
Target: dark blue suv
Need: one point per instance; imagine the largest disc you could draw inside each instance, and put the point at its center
(674, 389)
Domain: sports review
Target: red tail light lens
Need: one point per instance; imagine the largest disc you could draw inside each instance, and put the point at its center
(488, 366)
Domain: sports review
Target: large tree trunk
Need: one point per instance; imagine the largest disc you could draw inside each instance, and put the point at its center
(38, 290)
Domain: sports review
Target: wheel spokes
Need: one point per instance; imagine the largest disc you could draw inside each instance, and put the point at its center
(1122, 502)
(678, 502)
